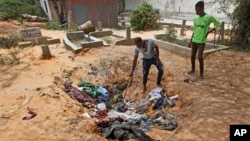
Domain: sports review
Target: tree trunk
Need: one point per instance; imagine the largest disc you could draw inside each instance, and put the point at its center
(59, 13)
(121, 6)
(62, 11)
(243, 42)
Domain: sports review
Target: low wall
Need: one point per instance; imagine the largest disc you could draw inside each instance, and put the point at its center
(177, 49)
(91, 44)
(185, 51)
(174, 48)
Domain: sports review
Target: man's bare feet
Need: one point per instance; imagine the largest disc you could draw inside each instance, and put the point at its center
(159, 85)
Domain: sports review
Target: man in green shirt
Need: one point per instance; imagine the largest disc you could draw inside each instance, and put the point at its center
(200, 32)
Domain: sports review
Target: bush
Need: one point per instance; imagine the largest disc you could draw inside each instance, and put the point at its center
(15, 8)
(144, 17)
(10, 41)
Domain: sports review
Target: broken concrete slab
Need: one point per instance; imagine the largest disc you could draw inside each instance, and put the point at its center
(101, 33)
(73, 36)
(70, 46)
(126, 42)
(53, 41)
(77, 35)
(87, 27)
(24, 44)
(93, 42)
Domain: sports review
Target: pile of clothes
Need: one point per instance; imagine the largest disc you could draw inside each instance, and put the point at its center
(122, 119)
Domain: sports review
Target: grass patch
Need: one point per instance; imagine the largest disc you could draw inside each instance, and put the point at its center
(2, 15)
(10, 41)
(11, 58)
(53, 26)
(58, 26)
(182, 42)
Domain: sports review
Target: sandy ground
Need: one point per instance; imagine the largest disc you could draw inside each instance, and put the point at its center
(204, 110)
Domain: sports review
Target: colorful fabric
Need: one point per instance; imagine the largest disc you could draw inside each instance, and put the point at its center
(89, 88)
(77, 94)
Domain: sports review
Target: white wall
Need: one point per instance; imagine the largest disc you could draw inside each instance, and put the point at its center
(47, 12)
(180, 9)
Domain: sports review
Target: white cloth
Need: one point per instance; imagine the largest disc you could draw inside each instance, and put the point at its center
(155, 94)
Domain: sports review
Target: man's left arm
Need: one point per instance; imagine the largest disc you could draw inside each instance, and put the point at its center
(216, 23)
(157, 51)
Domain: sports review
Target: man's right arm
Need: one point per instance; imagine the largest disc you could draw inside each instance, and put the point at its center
(189, 45)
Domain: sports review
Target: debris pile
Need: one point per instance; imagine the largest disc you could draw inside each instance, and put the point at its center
(123, 119)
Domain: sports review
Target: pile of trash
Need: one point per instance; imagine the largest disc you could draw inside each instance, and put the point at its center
(123, 119)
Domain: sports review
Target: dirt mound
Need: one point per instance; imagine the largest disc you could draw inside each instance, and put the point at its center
(7, 28)
(204, 109)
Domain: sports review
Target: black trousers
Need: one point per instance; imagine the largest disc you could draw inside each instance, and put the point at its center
(200, 48)
(146, 66)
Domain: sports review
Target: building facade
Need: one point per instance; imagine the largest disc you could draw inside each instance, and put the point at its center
(181, 9)
(84, 10)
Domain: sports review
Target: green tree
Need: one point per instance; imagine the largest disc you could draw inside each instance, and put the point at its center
(241, 22)
(144, 17)
(240, 19)
(14, 9)
(59, 9)
(224, 6)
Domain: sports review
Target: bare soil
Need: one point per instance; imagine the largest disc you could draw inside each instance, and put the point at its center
(204, 110)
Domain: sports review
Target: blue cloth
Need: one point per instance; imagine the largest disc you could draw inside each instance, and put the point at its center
(103, 91)
(102, 99)
(159, 104)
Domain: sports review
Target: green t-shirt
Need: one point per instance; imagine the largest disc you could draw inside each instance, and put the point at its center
(201, 25)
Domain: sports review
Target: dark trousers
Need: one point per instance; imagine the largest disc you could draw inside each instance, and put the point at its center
(146, 66)
(200, 48)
